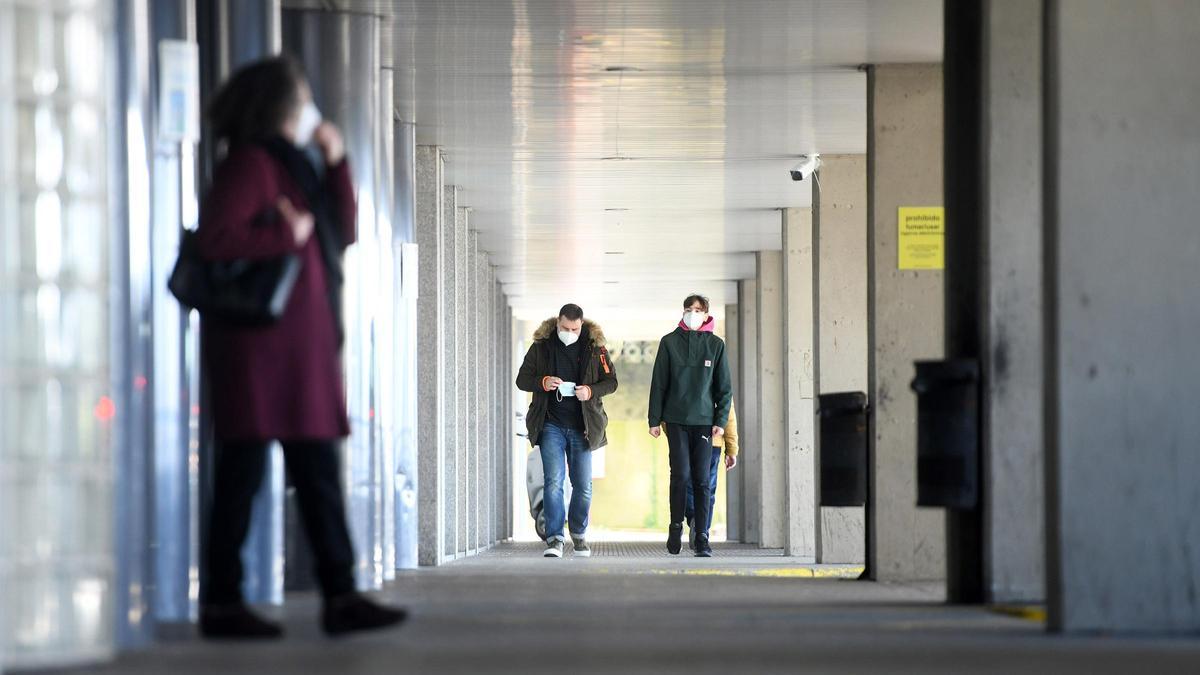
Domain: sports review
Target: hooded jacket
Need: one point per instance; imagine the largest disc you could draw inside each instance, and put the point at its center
(598, 373)
(691, 385)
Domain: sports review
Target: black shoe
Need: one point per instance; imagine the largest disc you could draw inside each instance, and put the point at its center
(703, 549)
(675, 538)
(355, 612)
(236, 622)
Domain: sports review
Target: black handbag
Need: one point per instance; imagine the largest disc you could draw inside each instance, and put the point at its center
(252, 292)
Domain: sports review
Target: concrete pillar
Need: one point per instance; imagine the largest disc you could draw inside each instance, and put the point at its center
(748, 428)
(1120, 298)
(449, 337)
(733, 479)
(904, 168)
(470, 472)
(772, 467)
(1013, 368)
(840, 223)
(798, 321)
(462, 347)
(508, 432)
(431, 355)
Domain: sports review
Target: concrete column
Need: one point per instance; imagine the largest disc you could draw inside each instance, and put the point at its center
(798, 321)
(471, 474)
(772, 467)
(751, 455)
(733, 479)
(451, 247)
(840, 223)
(508, 431)
(431, 359)
(1013, 368)
(462, 345)
(1120, 298)
(904, 168)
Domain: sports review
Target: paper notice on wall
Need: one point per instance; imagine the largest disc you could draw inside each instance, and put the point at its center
(178, 91)
(922, 241)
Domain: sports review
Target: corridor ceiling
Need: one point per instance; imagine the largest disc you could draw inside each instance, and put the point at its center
(622, 154)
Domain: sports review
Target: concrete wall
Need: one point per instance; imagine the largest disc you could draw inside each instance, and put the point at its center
(799, 384)
(1014, 554)
(904, 147)
(431, 363)
(1123, 243)
(772, 468)
(840, 222)
(748, 427)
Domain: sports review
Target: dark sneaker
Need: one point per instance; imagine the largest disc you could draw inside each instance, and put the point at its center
(703, 549)
(581, 547)
(236, 622)
(355, 612)
(554, 549)
(675, 538)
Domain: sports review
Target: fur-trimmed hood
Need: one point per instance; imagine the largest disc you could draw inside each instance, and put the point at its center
(549, 328)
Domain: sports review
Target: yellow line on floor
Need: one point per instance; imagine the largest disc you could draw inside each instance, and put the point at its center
(774, 572)
(1027, 612)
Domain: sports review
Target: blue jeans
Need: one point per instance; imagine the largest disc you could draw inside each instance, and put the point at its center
(565, 450)
(714, 466)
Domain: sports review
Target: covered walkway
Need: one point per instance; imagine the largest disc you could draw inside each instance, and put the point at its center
(997, 195)
(632, 609)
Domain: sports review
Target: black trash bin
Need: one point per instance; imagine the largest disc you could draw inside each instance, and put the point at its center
(843, 420)
(947, 433)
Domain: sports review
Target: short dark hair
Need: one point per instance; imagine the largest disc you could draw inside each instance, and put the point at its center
(693, 299)
(570, 312)
(256, 100)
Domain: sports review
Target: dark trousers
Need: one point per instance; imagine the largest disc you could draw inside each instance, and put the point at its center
(714, 468)
(691, 453)
(313, 467)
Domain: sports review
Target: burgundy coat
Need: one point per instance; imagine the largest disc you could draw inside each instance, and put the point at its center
(283, 381)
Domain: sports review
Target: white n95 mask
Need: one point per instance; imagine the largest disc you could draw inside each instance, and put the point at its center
(310, 119)
(568, 338)
(693, 320)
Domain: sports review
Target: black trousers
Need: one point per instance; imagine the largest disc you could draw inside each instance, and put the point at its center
(313, 467)
(691, 453)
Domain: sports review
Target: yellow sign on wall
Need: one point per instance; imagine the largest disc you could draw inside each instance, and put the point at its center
(922, 241)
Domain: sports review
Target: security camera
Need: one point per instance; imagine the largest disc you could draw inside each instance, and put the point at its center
(808, 166)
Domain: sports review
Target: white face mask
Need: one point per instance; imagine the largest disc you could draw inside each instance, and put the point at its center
(310, 119)
(693, 320)
(568, 338)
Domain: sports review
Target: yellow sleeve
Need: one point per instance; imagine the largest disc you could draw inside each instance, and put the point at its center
(731, 436)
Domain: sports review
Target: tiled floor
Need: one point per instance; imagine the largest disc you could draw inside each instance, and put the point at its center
(633, 609)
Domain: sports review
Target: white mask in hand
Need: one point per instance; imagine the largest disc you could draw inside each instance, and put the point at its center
(310, 119)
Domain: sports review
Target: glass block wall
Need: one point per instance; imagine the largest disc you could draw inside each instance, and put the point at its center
(56, 411)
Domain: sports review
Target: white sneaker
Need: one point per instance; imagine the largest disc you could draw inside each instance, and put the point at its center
(554, 549)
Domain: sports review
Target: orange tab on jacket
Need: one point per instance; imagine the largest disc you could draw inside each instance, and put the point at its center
(604, 362)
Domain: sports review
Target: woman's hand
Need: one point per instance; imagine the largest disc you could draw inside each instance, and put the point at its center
(301, 222)
(330, 142)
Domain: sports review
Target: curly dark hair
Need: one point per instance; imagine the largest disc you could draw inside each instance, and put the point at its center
(255, 101)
